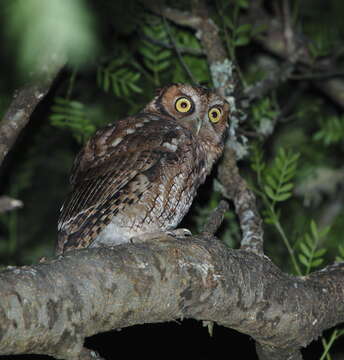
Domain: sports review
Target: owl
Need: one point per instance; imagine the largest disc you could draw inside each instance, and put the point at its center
(140, 175)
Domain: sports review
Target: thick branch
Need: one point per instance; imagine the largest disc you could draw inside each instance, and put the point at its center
(235, 188)
(51, 307)
(8, 204)
(23, 104)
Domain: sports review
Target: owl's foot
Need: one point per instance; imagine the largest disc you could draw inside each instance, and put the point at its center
(179, 233)
(161, 235)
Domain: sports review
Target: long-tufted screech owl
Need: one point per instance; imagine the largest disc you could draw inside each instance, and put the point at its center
(140, 175)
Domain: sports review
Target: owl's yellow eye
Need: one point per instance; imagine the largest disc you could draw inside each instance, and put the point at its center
(183, 105)
(214, 114)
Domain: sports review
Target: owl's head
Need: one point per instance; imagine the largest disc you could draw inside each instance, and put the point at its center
(199, 109)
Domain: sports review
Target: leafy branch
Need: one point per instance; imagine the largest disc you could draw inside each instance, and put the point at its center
(71, 115)
(155, 58)
(275, 184)
(119, 78)
(311, 256)
(331, 130)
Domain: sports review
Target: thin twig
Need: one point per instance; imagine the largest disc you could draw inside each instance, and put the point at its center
(215, 219)
(180, 57)
(288, 29)
(183, 18)
(181, 49)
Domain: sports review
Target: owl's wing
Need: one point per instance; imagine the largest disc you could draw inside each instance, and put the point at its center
(108, 162)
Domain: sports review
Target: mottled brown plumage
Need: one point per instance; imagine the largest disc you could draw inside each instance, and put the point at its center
(140, 175)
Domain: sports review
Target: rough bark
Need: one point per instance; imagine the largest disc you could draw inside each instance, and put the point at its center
(51, 307)
(24, 103)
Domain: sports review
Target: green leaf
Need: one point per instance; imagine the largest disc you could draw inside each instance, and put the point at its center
(134, 88)
(303, 260)
(282, 197)
(278, 177)
(320, 252)
(242, 41)
(324, 231)
(228, 22)
(316, 262)
(162, 66)
(309, 241)
(243, 3)
(269, 192)
(305, 249)
(341, 250)
(271, 181)
(286, 187)
(243, 28)
(71, 115)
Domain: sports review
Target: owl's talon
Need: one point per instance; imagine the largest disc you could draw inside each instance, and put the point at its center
(145, 237)
(180, 233)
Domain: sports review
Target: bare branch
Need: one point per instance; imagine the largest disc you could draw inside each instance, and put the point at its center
(181, 49)
(51, 307)
(23, 104)
(182, 18)
(8, 204)
(216, 218)
(235, 188)
(288, 29)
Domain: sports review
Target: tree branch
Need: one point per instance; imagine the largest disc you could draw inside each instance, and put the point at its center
(24, 103)
(215, 218)
(51, 307)
(8, 204)
(235, 188)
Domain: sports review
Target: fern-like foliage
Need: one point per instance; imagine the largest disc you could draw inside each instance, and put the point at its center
(71, 115)
(155, 58)
(331, 130)
(310, 255)
(275, 184)
(278, 178)
(119, 78)
(197, 64)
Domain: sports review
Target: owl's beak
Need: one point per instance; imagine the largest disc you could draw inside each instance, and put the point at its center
(199, 125)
